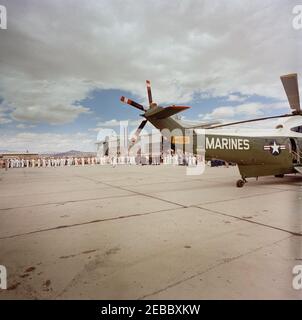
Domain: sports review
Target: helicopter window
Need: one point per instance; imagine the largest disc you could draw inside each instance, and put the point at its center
(297, 129)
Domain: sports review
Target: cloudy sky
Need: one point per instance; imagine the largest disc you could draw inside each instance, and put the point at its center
(64, 64)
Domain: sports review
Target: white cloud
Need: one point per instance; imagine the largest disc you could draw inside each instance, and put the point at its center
(4, 114)
(55, 52)
(112, 127)
(237, 98)
(24, 126)
(47, 142)
(4, 119)
(117, 123)
(43, 100)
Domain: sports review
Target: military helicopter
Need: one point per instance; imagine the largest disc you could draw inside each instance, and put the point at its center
(272, 152)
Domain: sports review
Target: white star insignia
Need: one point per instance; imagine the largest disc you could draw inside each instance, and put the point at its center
(275, 148)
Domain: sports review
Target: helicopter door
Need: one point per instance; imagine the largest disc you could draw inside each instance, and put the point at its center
(295, 151)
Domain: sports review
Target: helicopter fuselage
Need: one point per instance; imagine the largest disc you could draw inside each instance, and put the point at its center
(257, 152)
(276, 151)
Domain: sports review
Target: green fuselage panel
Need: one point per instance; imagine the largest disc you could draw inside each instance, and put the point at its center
(255, 156)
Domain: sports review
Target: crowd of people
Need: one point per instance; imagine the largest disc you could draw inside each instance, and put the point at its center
(180, 158)
(166, 159)
(49, 162)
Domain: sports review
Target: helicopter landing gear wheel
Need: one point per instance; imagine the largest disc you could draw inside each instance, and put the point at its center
(279, 175)
(240, 183)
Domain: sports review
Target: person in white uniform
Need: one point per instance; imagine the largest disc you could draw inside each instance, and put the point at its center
(114, 161)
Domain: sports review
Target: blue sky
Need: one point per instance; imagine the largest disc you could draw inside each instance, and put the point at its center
(105, 106)
(62, 75)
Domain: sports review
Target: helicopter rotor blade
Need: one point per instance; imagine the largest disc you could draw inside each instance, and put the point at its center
(132, 103)
(250, 120)
(137, 132)
(148, 83)
(290, 84)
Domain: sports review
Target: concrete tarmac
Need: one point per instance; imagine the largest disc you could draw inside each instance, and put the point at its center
(149, 232)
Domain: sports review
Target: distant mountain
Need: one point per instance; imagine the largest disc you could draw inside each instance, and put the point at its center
(6, 151)
(73, 153)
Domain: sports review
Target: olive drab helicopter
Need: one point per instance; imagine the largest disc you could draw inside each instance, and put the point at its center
(273, 151)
